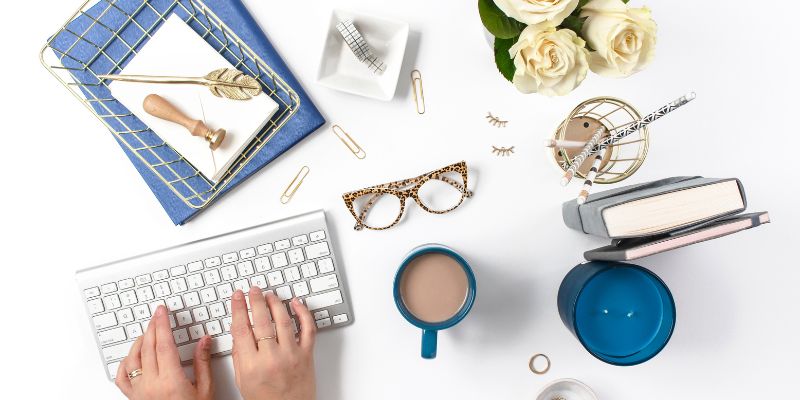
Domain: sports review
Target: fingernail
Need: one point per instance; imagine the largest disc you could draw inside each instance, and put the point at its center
(238, 295)
(206, 343)
(159, 310)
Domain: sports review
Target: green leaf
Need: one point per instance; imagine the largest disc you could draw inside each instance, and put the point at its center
(496, 22)
(504, 62)
(574, 23)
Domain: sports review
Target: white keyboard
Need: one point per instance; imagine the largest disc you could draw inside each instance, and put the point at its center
(292, 257)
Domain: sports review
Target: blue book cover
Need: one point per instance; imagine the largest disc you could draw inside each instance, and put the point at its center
(79, 51)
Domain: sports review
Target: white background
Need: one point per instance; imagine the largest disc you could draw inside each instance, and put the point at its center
(70, 199)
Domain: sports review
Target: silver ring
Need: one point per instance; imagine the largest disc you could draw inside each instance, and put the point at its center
(134, 373)
(539, 371)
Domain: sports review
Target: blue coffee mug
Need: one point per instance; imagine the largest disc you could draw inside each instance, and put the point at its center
(621, 313)
(429, 330)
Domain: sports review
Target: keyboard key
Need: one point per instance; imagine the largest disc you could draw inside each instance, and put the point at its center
(279, 260)
(108, 288)
(178, 285)
(177, 270)
(160, 275)
(228, 272)
(324, 283)
(180, 335)
(228, 258)
(217, 310)
(112, 369)
(172, 323)
(134, 330)
(321, 314)
(195, 266)
(161, 289)
(104, 321)
(184, 318)
(318, 235)
(126, 284)
(322, 323)
(111, 336)
(128, 298)
(200, 314)
(296, 256)
(242, 285)
(325, 265)
(124, 316)
(194, 281)
(323, 300)
(145, 293)
(213, 328)
(219, 344)
(208, 295)
(259, 280)
(284, 293)
(300, 289)
(282, 244)
(111, 302)
(247, 253)
(191, 299)
(213, 262)
(174, 303)
(141, 312)
(226, 324)
(262, 264)
(116, 351)
(245, 268)
(155, 305)
(308, 270)
(225, 291)
(292, 274)
(339, 318)
(196, 332)
(317, 250)
(143, 279)
(212, 277)
(275, 278)
(91, 292)
(300, 240)
(95, 306)
(265, 249)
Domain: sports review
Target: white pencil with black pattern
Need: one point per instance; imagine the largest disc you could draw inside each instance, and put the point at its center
(590, 177)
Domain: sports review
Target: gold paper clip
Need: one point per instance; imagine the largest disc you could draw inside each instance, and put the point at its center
(295, 184)
(419, 94)
(349, 142)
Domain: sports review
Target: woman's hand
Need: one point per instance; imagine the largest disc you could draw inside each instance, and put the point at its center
(270, 363)
(162, 376)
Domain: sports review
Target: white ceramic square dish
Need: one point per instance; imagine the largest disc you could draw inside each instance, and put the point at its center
(340, 69)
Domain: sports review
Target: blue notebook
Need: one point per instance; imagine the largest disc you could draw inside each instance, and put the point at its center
(84, 51)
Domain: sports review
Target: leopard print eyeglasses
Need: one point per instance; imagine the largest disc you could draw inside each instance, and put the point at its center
(381, 207)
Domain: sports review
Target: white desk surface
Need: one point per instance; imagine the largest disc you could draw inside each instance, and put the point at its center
(737, 297)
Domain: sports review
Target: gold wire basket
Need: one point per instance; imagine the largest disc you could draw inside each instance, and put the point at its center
(100, 38)
(623, 157)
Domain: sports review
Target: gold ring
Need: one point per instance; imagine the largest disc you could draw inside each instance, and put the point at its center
(264, 338)
(539, 371)
(134, 373)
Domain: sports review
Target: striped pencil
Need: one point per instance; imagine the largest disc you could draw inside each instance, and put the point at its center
(566, 144)
(587, 184)
(581, 157)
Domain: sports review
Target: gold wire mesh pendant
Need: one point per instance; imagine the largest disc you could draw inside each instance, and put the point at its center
(622, 158)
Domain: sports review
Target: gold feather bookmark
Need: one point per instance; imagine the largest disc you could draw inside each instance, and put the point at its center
(224, 82)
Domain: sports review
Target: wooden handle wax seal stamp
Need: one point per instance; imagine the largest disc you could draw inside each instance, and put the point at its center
(159, 107)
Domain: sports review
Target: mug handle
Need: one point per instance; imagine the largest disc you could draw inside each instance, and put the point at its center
(428, 343)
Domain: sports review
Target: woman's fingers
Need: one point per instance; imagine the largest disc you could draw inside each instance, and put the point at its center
(166, 351)
(308, 328)
(284, 326)
(262, 326)
(202, 369)
(149, 361)
(243, 342)
(122, 381)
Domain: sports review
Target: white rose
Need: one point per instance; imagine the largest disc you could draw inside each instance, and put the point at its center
(548, 61)
(532, 12)
(623, 38)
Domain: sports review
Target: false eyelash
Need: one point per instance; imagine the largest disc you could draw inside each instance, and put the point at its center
(502, 151)
(496, 121)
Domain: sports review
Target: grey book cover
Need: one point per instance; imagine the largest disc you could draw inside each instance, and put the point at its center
(588, 217)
